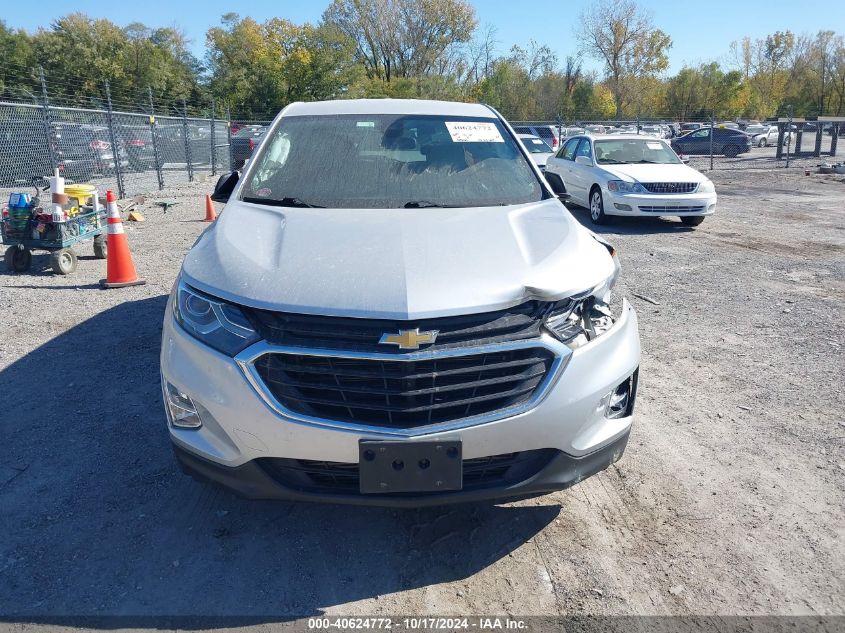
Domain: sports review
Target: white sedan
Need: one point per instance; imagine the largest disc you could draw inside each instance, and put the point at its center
(537, 148)
(630, 176)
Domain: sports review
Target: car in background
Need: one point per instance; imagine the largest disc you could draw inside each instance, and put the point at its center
(631, 176)
(690, 127)
(138, 143)
(726, 141)
(595, 129)
(768, 135)
(537, 148)
(244, 142)
(84, 150)
(651, 130)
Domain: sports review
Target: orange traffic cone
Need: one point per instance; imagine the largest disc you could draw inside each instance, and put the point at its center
(119, 265)
(210, 215)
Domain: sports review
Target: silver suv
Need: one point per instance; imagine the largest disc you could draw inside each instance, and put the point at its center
(411, 318)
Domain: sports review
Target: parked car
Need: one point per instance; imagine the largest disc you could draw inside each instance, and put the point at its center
(549, 133)
(411, 318)
(138, 142)
(769, 136)
(171, 143)
(244, 142)
(83, 150)
(726, 141)
(540, 152)
(690, 127)
(631, 176)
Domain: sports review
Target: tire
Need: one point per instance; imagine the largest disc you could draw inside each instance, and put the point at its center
(762, 143)
(597, 207)
(692, 220)
(63, 262)
(18, 260)
(730, 151)
(101, 247)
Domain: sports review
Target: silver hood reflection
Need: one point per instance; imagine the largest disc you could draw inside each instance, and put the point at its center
(395, 263)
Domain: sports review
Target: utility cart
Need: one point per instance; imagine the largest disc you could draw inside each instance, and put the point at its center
(27, 227)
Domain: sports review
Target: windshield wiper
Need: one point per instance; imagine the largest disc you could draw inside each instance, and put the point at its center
(425, 204)
(612, 161)
(284, 202)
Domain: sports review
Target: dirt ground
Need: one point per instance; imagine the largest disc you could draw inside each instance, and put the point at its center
(729, 500)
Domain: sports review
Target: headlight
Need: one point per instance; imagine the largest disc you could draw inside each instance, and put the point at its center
(580, 319)
(706, 187)
(216, 323)
(621, 186)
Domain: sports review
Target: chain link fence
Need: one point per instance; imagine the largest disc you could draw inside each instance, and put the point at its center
(129, 153)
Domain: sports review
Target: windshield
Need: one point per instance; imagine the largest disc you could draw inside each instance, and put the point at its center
(249, 131)
(387, 161)
(634, 151)
(536, 146)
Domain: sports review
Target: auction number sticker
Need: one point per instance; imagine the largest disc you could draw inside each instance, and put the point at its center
(654, 145)
(473, 132)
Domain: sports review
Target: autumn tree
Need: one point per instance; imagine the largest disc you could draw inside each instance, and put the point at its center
(623, 37)
(402, 38)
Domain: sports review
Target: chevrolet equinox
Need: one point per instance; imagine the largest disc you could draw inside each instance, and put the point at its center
(395, 307)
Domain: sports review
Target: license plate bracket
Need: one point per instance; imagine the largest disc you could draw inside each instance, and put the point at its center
(387, 467)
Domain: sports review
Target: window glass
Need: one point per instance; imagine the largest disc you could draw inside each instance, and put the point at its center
(585, 149)
(383, 161)
(568, 150)
(635, 151)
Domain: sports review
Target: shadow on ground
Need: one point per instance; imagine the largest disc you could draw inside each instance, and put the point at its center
(98, 521)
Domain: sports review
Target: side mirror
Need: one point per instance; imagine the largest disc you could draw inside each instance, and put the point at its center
(584, 160)
(684, 159)
(557, 186)
(225, 186)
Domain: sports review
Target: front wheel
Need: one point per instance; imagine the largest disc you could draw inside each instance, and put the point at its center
(762, 143)
(597, 207)
(692, 220)
(63, 262)
(18, 259)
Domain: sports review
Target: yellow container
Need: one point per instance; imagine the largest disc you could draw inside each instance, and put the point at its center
(82, 193)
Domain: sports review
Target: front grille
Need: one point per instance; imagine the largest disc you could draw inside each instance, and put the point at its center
(342, 478)
(673, 209)
(670, 187)
(353, 334)
(403, 394)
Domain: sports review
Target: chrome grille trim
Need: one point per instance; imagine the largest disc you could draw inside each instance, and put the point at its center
(246, 361)
(672, 209)
(670, 187)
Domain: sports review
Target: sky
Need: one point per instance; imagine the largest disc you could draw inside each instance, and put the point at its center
(701, 34)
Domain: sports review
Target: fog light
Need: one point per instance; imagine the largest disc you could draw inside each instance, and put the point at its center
(619, 403)
(183, 413)
(622, 207)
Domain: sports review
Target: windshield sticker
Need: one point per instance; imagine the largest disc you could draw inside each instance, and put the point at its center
(472, 132)
(365, 124)
(537, 141)
(264, 192)
(655, 145)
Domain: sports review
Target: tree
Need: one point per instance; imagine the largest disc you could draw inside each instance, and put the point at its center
(622, 36)
(402, 38)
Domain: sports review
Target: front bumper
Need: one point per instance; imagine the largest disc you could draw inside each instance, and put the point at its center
(252, 480)
(239, 427)
(656, 205)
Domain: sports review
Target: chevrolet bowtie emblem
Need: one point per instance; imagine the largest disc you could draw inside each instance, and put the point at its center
(409, 339)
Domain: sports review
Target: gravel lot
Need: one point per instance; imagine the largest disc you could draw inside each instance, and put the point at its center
(729, 499)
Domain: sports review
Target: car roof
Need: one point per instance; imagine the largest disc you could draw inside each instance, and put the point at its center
(389, 106)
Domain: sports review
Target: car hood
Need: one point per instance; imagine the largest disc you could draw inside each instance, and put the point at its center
(654, 173)
(540, 159)
(395, 263)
